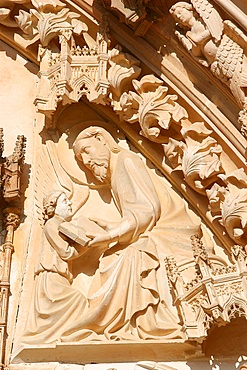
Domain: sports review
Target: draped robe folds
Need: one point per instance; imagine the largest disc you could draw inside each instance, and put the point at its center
(129, 297)
(54, 301)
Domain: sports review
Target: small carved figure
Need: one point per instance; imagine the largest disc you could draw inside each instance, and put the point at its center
(216, 44)
(129, 296)
(55, 302)
(198, 39)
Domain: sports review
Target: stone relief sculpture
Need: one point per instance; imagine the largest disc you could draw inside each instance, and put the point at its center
(130, 290)
(142, 235)
(216, 44)
(90, 68)
(128, 297)
(55, 302)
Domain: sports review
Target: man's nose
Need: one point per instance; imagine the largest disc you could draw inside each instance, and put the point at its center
(86, 160)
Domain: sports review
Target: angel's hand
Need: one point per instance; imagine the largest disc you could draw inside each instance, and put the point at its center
(183, 39)
(203, 62)
(179, 35)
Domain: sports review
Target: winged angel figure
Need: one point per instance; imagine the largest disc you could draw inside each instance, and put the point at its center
(51, 175)
(54, 301)
(214, 43)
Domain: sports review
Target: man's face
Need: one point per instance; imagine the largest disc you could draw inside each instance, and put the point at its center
(63, 207)
(95, 156)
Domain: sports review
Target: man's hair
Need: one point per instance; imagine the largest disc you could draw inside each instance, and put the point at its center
(95, 131)
(50, 202)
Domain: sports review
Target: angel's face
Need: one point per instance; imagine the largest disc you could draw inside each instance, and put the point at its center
(95, 155)
(63, 207)
(183, 16)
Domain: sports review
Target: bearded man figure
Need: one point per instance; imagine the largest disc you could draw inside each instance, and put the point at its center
(129, 297)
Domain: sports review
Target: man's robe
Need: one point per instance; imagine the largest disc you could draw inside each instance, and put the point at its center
(129, 297)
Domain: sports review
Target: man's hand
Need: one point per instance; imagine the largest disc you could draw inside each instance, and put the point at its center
(104, 224)
(99, 240)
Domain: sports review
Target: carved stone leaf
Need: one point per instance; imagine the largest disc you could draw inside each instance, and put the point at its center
(236, 178)
(178, 112)
(201, 163)
(147, 83)
(174, 151)
(25, 22)
(216, 195)
(234, 207)
(198, 131)
(234, 214)
(4, 13)
(162, 107)
(157, 110)
(124, 68)
(130, 106)
(78, 26)
(205, 157)
(48, 5)
(50, 25)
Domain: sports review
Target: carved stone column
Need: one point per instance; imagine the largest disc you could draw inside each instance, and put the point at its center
(10, 181)
(12, 221)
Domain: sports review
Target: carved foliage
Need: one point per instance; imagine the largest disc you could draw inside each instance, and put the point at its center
(123, 68)
(198, 157)
(152, 107)
(48, 20)
(231, 201)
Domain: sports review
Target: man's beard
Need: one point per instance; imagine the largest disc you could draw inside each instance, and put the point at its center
(99, 169)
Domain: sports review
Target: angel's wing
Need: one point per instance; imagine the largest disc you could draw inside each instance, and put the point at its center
(210, 16)
(50, 175)
(236, 34)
